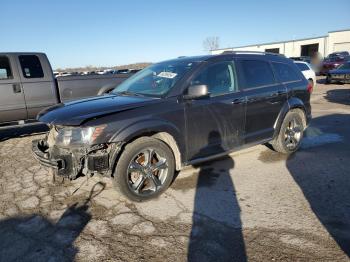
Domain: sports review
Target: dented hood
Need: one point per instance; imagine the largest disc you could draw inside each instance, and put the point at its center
(77, 112)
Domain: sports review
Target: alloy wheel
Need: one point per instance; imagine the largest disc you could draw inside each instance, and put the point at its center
(147, 172)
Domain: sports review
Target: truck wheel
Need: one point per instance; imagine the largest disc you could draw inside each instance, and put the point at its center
(291, 132)
(145, 169)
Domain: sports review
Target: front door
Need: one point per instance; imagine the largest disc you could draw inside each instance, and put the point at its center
(215, 124)
(12, 102)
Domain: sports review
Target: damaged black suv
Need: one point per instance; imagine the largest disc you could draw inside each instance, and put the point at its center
(177, 113)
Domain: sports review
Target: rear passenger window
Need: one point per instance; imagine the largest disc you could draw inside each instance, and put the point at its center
(302, 66)
(257, 73)
(5, 68)
(285, 73)
(31, 66)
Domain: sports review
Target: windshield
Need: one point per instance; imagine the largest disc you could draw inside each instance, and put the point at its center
(155, 80)
(344, 66)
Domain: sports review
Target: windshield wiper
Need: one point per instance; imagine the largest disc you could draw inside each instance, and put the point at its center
(128, 93)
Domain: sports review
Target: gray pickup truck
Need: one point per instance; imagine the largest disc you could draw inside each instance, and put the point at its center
(27, 85)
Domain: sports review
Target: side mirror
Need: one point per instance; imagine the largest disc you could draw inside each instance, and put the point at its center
(197, 91)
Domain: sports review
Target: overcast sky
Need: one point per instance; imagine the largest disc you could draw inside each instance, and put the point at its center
(105, 33)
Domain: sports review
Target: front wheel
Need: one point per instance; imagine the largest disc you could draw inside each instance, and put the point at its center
(145, 169)
(291, 133)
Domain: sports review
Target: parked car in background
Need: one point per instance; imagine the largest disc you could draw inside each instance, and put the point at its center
(302, 58)
(340, 74)
(339, 54)
(177, 113)
(28, 85)
(307, 71)
(331, 63)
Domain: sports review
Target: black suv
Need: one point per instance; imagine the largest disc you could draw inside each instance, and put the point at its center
(177, 113)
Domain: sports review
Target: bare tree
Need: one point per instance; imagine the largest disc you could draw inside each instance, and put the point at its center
(211, 43)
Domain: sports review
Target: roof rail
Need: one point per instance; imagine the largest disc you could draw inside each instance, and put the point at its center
(250, 52)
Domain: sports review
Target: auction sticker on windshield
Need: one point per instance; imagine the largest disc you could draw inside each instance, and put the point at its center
(167, 74)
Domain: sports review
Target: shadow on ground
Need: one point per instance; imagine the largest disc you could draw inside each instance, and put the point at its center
(34, 238)
(216, 233)
(22, 131)
(321, 170)
(340, 96)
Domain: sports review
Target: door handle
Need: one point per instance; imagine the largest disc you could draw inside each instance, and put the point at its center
(238, 101)
(16, 88)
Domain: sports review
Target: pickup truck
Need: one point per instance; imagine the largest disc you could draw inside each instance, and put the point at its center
(27, 86)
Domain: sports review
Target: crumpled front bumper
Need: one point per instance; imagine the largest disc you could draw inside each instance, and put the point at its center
(72, 162)
(62, 164)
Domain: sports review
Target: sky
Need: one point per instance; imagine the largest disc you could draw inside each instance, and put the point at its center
(111, 32)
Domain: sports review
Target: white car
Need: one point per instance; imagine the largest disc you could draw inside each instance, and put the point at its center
(307, 71)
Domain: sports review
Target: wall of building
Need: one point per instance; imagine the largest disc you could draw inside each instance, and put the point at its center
(334, 41)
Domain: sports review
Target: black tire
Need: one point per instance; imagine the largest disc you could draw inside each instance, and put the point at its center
(283, 142)
(328, 81)
(125, 171)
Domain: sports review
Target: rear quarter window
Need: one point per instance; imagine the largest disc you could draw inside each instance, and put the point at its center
(31, 66)
(256, 73)
(285, 72)
(302, 67)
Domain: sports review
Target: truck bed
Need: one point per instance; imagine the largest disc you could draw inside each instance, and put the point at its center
(76, 87)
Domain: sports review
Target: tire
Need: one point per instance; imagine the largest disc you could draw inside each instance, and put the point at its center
(284, 143)
(328, 81)
(136, 175)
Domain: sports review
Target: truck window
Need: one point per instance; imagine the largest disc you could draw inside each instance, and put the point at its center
(257, 73)
(31, 66)
(285, 73)
(5, 68)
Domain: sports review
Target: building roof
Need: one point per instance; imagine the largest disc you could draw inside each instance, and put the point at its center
(281, 42)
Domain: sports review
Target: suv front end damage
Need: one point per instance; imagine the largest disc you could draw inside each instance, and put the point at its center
(69, 157)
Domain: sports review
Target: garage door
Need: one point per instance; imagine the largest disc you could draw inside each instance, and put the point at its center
(342, 47)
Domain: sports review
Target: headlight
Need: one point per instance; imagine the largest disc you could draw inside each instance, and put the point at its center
(70, 136)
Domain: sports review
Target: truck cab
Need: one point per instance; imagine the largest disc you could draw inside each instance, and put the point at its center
(27, 86)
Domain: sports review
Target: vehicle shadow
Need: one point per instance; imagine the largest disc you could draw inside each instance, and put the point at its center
(216, 233)
(340, 96)
(321, 170)
(22, 131)
(35, 238)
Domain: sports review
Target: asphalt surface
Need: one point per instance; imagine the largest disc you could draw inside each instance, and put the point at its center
(254, 205)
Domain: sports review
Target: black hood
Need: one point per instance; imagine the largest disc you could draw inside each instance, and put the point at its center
(77, 112)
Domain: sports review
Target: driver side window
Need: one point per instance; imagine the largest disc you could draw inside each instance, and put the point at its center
(219, 77)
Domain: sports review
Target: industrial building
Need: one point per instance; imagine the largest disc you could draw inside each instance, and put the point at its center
(332, 42)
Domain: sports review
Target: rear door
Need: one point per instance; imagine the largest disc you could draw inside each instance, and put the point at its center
(38, 82)
(215, 124)
(12, 103)
(265, 98)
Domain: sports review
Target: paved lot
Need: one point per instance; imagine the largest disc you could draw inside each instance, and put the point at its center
(255, 204)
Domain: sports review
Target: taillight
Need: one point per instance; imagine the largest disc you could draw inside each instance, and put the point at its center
(309, 88)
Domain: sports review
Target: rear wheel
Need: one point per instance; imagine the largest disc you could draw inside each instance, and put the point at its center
(145, 169)
(291, 133)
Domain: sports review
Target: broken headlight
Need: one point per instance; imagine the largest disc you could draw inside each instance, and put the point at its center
(77, 136)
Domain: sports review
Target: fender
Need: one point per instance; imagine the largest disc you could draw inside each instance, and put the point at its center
(150, 126)
(292, 102)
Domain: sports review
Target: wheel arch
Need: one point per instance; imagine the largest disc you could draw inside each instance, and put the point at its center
(161, 130)
(290, 104)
